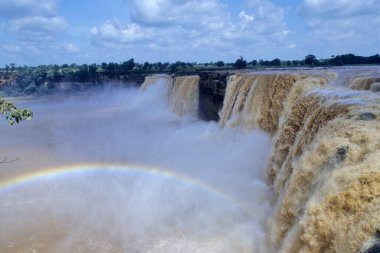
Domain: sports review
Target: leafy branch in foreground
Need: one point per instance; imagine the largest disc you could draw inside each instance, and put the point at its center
(12, 113)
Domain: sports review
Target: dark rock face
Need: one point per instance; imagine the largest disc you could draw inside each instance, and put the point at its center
(374, 249)
(212, 87)
(375, 87)
(341, 153)
(367, 116)
(134, 78)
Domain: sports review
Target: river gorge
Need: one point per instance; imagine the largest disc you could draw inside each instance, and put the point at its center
(265, 161)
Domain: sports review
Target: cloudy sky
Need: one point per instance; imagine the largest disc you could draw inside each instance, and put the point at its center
(36, 32)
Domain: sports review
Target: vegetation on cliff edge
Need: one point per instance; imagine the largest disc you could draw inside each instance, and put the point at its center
(25, 80)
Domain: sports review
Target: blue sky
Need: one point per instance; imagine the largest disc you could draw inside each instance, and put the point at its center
(34, 32)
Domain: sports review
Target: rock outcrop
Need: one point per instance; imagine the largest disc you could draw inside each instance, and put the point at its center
(212, 87)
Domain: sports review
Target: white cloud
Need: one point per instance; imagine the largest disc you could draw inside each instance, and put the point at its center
(39, 26)
(172, 24)
(112, 32)
(22, 48)
(195, 26)
(70, 48)
(245, 18)
(22, 8)
(150, 11)
(352, 23)
(12, 48)
(291, 45)
(34, 25)
(269, 18)
(176, 12)
(339, 8)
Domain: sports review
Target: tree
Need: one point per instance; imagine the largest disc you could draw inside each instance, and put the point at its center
(175, 67)
(296, 62)
(160, 66)
(92, 70)
(253, 63)
(310, 60)
(240, 63)
(12, 113)
(275, 62)
(128, 65)
(219, 63)
(83, 73)
(146, 66)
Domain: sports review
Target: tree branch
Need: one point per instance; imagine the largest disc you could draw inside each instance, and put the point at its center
(5, 160)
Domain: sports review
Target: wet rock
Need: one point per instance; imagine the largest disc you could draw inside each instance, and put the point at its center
(374, 249)
(367, 116)
(212, 87)
(341, 153)
(375, 87)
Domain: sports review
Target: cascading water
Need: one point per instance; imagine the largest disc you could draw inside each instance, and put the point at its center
(184, 97)
(257, 101)
(324, 159)
(183, 92)
(165, 80)
(366, 83)
(117, 171)
(151, 181)
(324, 175)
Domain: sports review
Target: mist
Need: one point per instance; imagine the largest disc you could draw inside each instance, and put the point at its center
(206, 192)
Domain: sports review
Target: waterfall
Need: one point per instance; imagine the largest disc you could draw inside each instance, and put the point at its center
(366, 83)
(324, 172)
(159, 78)
(292, 166)
(184, 97)
(257, 101)
(183, 92)
(324, 166)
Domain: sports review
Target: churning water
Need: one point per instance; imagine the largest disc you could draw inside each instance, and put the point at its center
(292, 166)
(116, 171)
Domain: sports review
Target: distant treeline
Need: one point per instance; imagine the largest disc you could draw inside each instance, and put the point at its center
(20, 80)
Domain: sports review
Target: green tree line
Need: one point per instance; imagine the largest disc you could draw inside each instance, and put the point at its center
(21, 80)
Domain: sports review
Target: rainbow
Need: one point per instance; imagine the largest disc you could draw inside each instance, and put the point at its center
(78, 169)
